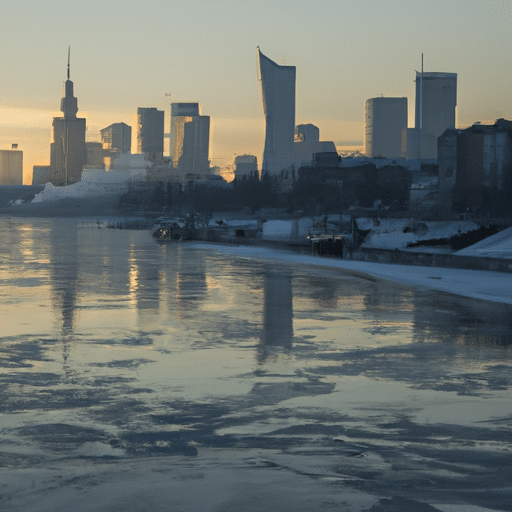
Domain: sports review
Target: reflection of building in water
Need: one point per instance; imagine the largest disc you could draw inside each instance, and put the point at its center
(277, 312)
(190, 281)
(380, 296)
(323, 290)
(461, 321)
(64, 282)
(64, 274)
(149, 283)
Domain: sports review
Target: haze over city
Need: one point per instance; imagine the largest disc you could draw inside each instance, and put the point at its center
(125, 56)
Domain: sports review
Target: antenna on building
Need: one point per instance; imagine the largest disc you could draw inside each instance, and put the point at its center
(422, 62)
(69, 54)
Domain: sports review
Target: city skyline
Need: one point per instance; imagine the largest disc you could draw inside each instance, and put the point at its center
(123, 58)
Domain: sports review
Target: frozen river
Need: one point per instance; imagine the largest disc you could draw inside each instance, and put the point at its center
(137, 376)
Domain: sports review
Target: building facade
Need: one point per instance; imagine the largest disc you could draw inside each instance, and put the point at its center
(11, 167)
(191, 145)
(307, 133)
(94, 153)
(40, 174)
(67, 151)
(117, 137)
(149, 124)
(180, 110)
(436, 102)
(385, 119)
(278, 91)
(475, 167)
(246, 166)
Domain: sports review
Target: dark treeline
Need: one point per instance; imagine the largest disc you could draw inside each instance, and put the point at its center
(313, 191)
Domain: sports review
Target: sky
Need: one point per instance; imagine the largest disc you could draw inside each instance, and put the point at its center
(129, 54)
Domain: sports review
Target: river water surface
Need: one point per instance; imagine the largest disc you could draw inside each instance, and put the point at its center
(130, 369)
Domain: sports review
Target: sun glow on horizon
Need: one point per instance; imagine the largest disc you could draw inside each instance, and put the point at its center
(11, 117)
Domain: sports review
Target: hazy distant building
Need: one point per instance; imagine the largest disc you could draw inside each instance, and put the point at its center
(150, 132)
(11, 166)
(278, 90)
(94, 155)
(117, 137)
(411, 143)
(180, 110)
(40, 174)
(246, 166)
(190, 137)
(308, 144)
(436, 101)
(385, 118)
(307, 151)
(67, 153)
(307, 132)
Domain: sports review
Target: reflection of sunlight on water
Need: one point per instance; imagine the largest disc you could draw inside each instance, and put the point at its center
(133, 278)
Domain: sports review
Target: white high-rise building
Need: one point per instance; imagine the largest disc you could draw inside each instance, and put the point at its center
(278, 89)
(385, 118)
(436, 101)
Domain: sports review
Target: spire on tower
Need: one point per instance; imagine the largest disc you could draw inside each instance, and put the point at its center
(68, 104)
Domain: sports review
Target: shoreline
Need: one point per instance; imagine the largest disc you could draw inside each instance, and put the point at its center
(482, 278)
(486, 285)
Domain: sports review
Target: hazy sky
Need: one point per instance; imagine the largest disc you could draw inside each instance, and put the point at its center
(127, 54)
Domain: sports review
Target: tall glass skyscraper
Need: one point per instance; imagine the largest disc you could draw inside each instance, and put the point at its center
(278, 88)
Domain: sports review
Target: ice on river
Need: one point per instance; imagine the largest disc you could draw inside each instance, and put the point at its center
(138, 376)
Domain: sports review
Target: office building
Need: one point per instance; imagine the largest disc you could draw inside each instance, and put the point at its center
(11, 166)
(475, 168)
(278, 91)
(149, 124)
(385, 118)
(180, 110)
(307, 132)
(67, 153)
(40, 174)
(246, 166)
(94, 155)
(191, 145)
(308, 145)
(117, 137)
(436, 101)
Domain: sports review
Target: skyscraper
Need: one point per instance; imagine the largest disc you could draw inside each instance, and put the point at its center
(190, 139)
(278, 89)
(150, 132)
(436, 100)
(180, 109)
(385, 118)
(67, 153)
